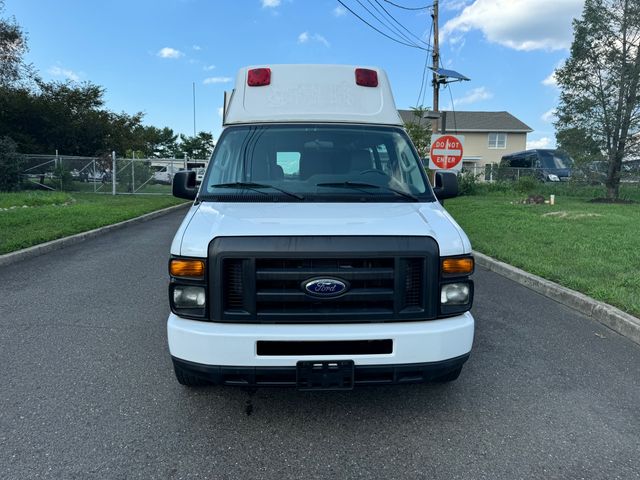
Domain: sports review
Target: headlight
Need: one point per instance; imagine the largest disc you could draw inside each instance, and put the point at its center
(454, 294)
(553, 178)
(189, 296)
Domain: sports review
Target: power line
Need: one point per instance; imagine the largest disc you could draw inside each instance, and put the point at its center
(409, 8)
(421, 94)
(381, 32)
(400, 24)
(388, 24)
(453, 110)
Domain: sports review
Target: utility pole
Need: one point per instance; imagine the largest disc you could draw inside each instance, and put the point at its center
(436, 57)
(194, 109)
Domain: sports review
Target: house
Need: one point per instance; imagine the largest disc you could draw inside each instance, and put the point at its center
(487, 135)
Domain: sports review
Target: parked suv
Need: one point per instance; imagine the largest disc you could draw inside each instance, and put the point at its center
(316, 253)
(544, 164)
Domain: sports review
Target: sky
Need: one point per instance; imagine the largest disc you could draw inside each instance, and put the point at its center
(147, 54)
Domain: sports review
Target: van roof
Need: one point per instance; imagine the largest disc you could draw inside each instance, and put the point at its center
(524, 152)
(311, 93)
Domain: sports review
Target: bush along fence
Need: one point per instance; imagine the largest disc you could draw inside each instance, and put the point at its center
(103, 175)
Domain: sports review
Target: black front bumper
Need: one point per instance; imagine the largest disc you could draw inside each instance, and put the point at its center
(286, 376)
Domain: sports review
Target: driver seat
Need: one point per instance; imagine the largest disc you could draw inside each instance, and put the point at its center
(361, 161)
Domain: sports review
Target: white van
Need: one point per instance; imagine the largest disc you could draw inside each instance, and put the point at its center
(316, 254)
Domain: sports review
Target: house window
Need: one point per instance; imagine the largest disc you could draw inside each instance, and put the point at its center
(498, 140)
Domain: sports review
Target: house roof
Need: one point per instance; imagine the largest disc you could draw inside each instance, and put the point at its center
(477, 121)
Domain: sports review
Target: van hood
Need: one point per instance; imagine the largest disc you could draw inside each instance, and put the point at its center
(208, 220)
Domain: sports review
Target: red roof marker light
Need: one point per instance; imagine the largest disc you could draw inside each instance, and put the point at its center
(366, 77)
(259, 77)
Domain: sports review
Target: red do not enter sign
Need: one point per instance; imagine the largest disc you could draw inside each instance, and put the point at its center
(446, 152)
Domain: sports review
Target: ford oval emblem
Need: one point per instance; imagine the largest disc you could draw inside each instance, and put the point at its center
(325, 287)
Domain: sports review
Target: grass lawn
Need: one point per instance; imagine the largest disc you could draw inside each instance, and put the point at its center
(592, 248)
(54, 215)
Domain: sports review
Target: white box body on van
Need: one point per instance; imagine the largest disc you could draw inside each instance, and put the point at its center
(316, 253)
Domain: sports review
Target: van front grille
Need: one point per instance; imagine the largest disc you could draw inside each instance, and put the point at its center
(383, 285)
(280, 286)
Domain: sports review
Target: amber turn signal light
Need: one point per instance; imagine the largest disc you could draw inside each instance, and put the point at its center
(186, 268)
(457, 266)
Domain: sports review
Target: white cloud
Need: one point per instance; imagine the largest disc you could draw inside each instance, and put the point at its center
(544, 142)
(319, 38)
(304, 37)
(168, 52)
(270, 3)
(197, 48)
(518, 24)
(549, 115)
(339, 11)
(58, 71)
(474, 96)
(455, 4)
(212, 80)
(551, 80)
(208, 68)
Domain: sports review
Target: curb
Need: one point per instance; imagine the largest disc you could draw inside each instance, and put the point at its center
(42, 248)
(614, 318)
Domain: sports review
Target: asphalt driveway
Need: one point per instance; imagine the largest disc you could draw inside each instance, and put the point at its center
(87, 389)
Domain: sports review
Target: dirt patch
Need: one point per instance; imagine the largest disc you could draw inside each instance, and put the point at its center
(621, 201)
(571, 215)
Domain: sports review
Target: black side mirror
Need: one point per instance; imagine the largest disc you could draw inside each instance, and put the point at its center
(446, 185)
(184, 185)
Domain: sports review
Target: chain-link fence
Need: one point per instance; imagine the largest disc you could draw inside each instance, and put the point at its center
(593, 174)
(105, 174)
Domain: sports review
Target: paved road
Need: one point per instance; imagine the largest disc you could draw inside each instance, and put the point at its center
(87, 389)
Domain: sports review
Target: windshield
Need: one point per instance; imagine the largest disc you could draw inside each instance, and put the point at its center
(318, 163)
(555, 159)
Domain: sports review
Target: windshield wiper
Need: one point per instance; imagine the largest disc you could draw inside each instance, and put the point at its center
(256, 187)
(362, 185)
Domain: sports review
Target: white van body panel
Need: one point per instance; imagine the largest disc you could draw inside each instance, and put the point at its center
(209, 220)
(234, 344)
(312, 93)
(177, 238)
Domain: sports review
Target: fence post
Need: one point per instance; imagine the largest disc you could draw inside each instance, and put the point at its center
(113, 172)
(93, 175)
(133, 173)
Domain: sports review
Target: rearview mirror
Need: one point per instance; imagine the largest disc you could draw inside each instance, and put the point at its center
(446, 185)
(184, 185)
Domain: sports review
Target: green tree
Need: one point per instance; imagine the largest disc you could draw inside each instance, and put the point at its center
(579, 145)
(199, 146)
(71, 117)
(13, 46)
(9, 165)
(599, 98)
(67, 117)
(158, 142)
(419, 130)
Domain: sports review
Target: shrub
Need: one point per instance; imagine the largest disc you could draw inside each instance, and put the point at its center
(468, 183)
(10, 166)
(63, 177)
(526, 184)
